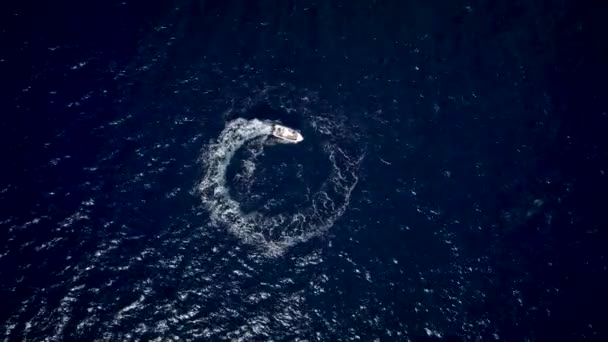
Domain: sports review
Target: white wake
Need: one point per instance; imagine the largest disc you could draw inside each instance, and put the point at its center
(272, 234)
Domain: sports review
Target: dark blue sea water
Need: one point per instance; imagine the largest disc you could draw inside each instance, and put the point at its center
(449, 186)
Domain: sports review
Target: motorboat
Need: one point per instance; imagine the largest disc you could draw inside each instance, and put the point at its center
(286, 133)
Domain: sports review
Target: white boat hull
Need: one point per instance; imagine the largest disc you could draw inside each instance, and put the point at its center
(286, 134)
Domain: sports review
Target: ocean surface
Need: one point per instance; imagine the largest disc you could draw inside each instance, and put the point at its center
(450, 184)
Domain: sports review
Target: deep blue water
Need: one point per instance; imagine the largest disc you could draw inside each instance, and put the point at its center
(449, 186)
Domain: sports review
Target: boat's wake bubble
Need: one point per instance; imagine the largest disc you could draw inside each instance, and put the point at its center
(273, 234)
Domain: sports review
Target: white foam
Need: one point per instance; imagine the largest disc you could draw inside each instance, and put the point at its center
(272, 234)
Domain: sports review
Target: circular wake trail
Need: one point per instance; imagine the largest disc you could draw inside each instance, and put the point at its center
(273, 235)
